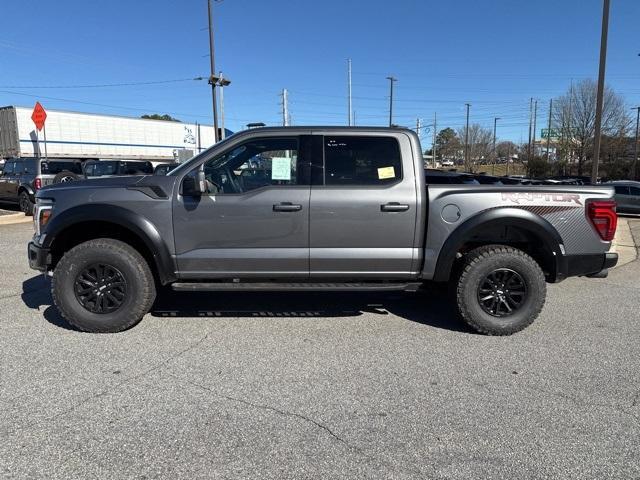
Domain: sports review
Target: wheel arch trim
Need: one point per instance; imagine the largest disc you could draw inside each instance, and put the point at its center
(137, 224)
(498, 218)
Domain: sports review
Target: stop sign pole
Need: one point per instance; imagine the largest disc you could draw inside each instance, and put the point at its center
(39, 116)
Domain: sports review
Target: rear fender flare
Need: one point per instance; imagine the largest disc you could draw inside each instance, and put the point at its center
(498, 218)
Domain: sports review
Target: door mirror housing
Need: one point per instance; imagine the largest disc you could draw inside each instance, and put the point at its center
(194, 186)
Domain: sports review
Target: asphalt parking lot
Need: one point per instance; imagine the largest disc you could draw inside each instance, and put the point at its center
(319, 386)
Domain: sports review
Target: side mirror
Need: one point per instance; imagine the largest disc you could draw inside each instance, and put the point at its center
(194, 186)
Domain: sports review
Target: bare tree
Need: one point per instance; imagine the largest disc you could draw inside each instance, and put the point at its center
(574, 119)
(480, 144)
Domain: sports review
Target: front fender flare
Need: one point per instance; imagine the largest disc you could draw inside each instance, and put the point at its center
(134, 222)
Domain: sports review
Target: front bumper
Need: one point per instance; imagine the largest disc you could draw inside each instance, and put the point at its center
(593, 265)
(39, 258)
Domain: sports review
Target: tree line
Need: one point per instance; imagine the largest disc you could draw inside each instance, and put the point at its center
(572, 138)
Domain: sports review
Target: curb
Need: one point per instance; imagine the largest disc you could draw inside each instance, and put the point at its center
(623, 243)
(15, 218)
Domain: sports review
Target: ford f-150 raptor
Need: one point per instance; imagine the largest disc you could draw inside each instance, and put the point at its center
(314, 208)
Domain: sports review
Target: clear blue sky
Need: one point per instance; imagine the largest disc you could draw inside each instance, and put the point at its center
(494, 54)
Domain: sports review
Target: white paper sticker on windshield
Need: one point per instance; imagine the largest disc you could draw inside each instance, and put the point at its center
(386, 172)
(280, 168)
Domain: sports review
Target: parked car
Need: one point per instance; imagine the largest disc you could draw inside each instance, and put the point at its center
(441, 177)
(627, 195)
(113, 168)
(23, 177)
(164, 168)
(332, 208)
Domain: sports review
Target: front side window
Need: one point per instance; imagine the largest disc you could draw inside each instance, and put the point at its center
(136, 168)
(634, 191)
(256, 164)
(18, 168)
(622, 190)
(364, 161)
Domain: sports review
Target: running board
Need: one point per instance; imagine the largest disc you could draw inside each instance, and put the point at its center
(299, 286)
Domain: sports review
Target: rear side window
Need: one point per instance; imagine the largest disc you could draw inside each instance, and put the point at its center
(8, 168)
(622, 190)
(364, 161)
(30, 166)
(18, 168)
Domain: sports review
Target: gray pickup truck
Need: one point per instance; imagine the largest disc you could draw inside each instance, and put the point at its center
(315, 209)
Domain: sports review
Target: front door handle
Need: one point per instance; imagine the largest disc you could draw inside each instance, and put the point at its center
(394, 207)
(287, 207)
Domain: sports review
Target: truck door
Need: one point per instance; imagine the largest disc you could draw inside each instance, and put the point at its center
(254, 222)
(363, 207)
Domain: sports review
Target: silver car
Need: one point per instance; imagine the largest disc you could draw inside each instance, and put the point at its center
(627, 196)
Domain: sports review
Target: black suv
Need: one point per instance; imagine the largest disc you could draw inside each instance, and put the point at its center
(112, 168)
(23, 177)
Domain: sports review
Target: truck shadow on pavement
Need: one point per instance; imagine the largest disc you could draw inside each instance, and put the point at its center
(431, 307)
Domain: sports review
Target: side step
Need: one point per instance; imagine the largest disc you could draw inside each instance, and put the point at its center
(298, 286)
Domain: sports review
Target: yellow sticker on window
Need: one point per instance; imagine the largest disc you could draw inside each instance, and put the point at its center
(386, 172)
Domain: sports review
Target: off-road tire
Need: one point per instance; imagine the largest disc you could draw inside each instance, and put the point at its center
(140, 286)
(66, 176)
(25, 203)
(479, 263)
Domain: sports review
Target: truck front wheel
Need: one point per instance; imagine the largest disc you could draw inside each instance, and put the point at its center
(500, 290)
(103, 285)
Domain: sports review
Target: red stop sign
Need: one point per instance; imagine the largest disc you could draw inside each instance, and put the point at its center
(39, 116)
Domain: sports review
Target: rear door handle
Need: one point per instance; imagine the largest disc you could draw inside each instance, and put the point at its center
(287, 207)
(394, 207)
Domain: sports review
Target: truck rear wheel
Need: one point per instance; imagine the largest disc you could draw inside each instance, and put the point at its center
(500, 290)
(103, 285)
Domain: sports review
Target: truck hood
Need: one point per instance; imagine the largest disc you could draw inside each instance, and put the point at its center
(164, 182)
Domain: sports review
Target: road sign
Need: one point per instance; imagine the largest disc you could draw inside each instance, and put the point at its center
(39, 116)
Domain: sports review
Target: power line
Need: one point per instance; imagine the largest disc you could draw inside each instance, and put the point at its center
(102, 85)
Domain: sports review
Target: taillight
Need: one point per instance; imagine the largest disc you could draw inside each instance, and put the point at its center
(602, 214)
(37, 184)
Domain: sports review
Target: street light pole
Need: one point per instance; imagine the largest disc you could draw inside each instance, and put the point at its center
(349, 106)
(549, 130)
(635, 157)
(391, 81)
(495, 157)
(600, 95)
(213, 80)
(466, 140)
(223, 82)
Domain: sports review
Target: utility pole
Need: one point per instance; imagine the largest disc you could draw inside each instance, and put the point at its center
(535, 120)
(635, 157)
(391, 82)
(223, 82)
(549, 128)
(213, 80)
(601, 72)
(530, 123)
(508, 159)
(418, 126)
(495, 157)
(466, 140)
(285, 107)
(435, 137)
(349, 114)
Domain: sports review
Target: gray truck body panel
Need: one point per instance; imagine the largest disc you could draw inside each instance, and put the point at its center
(339, 232)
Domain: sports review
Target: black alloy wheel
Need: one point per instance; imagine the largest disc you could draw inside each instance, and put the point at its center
(502, 292)
(100, 288)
